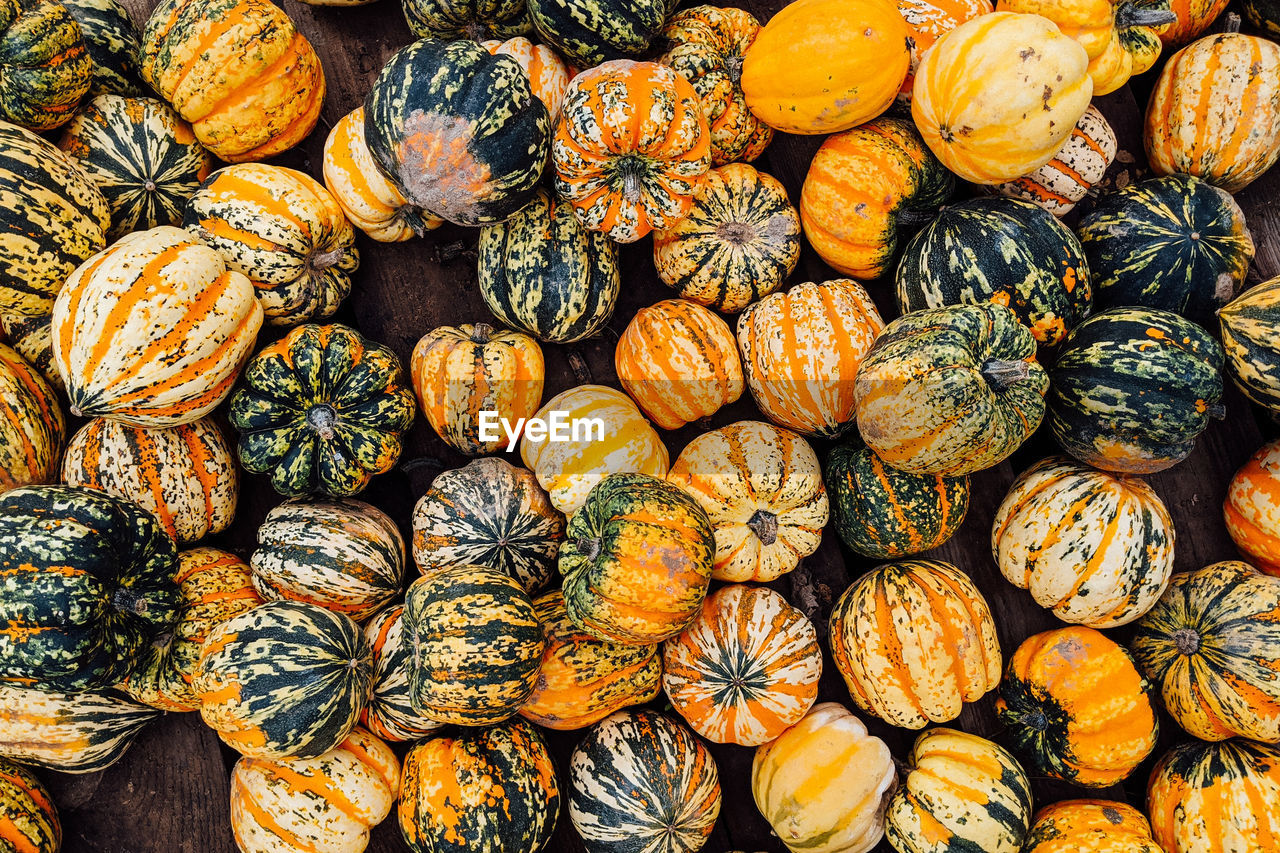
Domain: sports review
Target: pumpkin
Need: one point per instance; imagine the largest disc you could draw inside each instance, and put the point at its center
(823, 783)
(885, 513)
(55, 217)
(142, 156)
(1251, 513)
(1093, 547)
(476, 646)
(1212, 645)
(1248, 325)
(639, 781)
(215, 586)
(1033, 86)
(250, 84)
(389, 713)
(185, 476)
(81, 732)
(488, 513)
(636, 560)
(480, 791)
(582, 680)
(914, 641)
(1176, 243)
(465, 374)
(762, 491)
(322, 410)
(86, 581)
(1075, 707)
(112, 41)
(801, 350)
(746, 669)
(1216, 797)
(960, 792)
(1187, 132)
(542, 272)
(27, 813)
(547, 73)
(615, 438)
(31, 338)
(679, 361)
(631, 148)
(950, 390)
(1090, 826)
(344, 555)
(325, 804)
(1080, 164)
(153, 331)
(864, 186)
(739, 242)
(1261, 14)
(458, 130)
(928, 21)
(466, 19)
(822, 66)
(283, 230)
(587, 32)
(47, 69)
(32, 426)
(264, 711)
(1000, 250)
(1194, 17)
(1132, 389)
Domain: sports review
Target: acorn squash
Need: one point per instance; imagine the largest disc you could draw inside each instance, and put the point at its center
(1252, 513)
(32, 426)
(113, 43)
(1070, 174)
(389, 713)
(46, 67)
(1091, 826)
(588, 32)
(27, 813)
(1250, 327)
(81, 732)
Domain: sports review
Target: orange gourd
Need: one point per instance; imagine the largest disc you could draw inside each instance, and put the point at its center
(1252, 508)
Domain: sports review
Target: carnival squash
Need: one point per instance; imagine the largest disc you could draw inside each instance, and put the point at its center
(1090, 826)
(27, 813)
(1250, 327)
(547, 73)
(46, 67)
(112, 40)
(81, 732)
(1251, 509)
(32, 426)
(1080, 164)
(1262, 14)
(1194, 17)
(389, 713)
(32, 339)
(928, 21)
(466, 19)
(588, 32)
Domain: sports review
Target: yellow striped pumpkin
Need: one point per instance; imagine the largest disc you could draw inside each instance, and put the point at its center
(1252, 508)
(32, 427)
(1249, 339)
(1080, 163)
(389, 713)
(548, 75)
(32, 338)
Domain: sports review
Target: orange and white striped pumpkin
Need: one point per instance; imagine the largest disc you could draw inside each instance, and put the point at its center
(153, 331)
(928, 21)
(32, 427)
(1252, 508)
(548, 74)
(1080, 163)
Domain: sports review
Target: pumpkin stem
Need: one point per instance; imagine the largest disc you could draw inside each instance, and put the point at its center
(1217, 411)
(631, 169)
(1131, 15)
(911, 216)
(764, 525)
(1186, 641)
(737, 233)
(1035, 720)
(589, 548)
(476, 31)
(75, 410)
(733, 67)
(1231, 24)
(321, 261)
(127, 601)
(1003, 373)
(481, 333)
(322, 418)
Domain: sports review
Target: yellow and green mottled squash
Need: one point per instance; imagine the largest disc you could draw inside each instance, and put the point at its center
(81, 732)
(389, 713)
(1091, 826)
(1251, 508)
(28, 819)
(466, 19)
(548, 75)
(32, 339)
(113, 44)
(588, 32)
(46, 67)
(1250, 326)
(32, 426)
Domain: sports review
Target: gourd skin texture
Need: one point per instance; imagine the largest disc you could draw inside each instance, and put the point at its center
(928, 21)
(28, 819)
(389, 713)
(81, 732)
(1091, 826)
(1248, 324)
(589, 32)
(113, 44)
(46, 68)
(1251, 509)
(32, 426)
(465, 19)
(1079, 165)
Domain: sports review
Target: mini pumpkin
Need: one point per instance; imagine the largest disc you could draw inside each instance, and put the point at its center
(1249, 326)
(81, 732)
(1090, 826)
(389, 713)
(47, 67)
(928, 21)
(1080, 164)
(547, 73)
(1251, 509)
(32, 426)
(27, 811)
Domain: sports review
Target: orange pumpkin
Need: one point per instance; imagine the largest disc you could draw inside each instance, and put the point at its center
(1194, 17)
(1090, 826)
(928, 21)
(1252, 508)
(548, 75)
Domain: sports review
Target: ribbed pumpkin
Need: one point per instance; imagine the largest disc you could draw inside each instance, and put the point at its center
(1095, 548)
(1249, 326)
(587, 32)
(631, 148)
(1076, 708)
(617, 439)
(1090, 826)
(950, 390)
(1229, 148)
(960, 792)
(746, 669)
(81, 732)
(32, 426)
(1212, 645)
(322, 410)
(1037, 83)
(914, 641)
(27, 814)
(639, 781)
(762, 490)
(113, 42)
(462, 372)
(1066, 179)
(636, 560)
(801, 350)
(1262, 14)
(31, 338)
(823, 783)
(153, 331)
(250, 84)
(1176, 243)
(928, 21)
(1000, 250)
(1194, 17)
(544, 273)
(325, 804)
(885, 513)
(47, 68)
(389, 713)
(466, 19)
(1251, 509)
(476, 646)
(480, 791)
(863, 186)
(582, 680)
(265, 711)
(547, 73)
(344, 555)
(1133, 388)
(739, 242)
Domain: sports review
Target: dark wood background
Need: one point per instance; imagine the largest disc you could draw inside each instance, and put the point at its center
(169, 794)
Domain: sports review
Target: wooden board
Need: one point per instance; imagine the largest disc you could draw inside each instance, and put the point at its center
(169, 793)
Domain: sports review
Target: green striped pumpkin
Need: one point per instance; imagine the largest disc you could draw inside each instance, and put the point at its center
(32, 426)
(544, 273)
(45, 69)
(81, 732)
(1175, 243)
(1250, 326)
(1000, 250)
(113, 43)
(32, 338)
(1133, 388)
(588, 32)
(28, 820)
(389, 713)
(267, 711)
(467, 19)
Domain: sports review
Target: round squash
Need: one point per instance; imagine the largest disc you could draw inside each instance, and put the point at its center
(1252, 508)
(588, 32)
(1090, 826)
(32, 339)
(32, 426)
(1194, 17)
(928, 21)
(389, 713)
(547, 73)
(112, 40)
(466, 19)
(46, 66)
(1080, 164)
(27, 813)
(1263, 15)
(81, 732)
(1250, 327)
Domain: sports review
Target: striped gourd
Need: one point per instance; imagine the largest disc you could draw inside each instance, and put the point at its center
(142, 156)
(762, 490)
(639, 781)
(54, 217)
(32, 426)
(185, 476)
(47, 67)
(389, 713)
(81, 732)
(1194, 17)
(746, 669)
(1250, 326)
(1091, 826)
(32, 339)
(547, 73)
(928, 21)
(113, 44)
(1093, 547)
(739, 242)
(264, 711)
(1251, 508)
(153, 331)
(587, 32)
(28, 819)
(466, 19)
(1079, 165)
(914, 641)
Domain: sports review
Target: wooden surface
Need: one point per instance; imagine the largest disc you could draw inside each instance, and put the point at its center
(169, 793)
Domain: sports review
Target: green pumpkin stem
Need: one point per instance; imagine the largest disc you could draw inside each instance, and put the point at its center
(764, 525)
(1131, 15)
(589, 548)
(1003, 373)
(322, 418)
(481, 333)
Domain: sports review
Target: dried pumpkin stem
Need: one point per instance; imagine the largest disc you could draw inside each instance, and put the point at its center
(1217, 411)
(321, 261)
(322, 418)
(127, 601)
(1231, 23)
(1186, 641)
(764, 525)
(631, 169)
(1036, 720)
(589, 548)
(737, 233)
(1003, 373)
(733, 67)
(1131, 15)
(481, 333)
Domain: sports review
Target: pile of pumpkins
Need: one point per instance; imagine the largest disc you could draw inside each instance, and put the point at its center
(135, 282)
